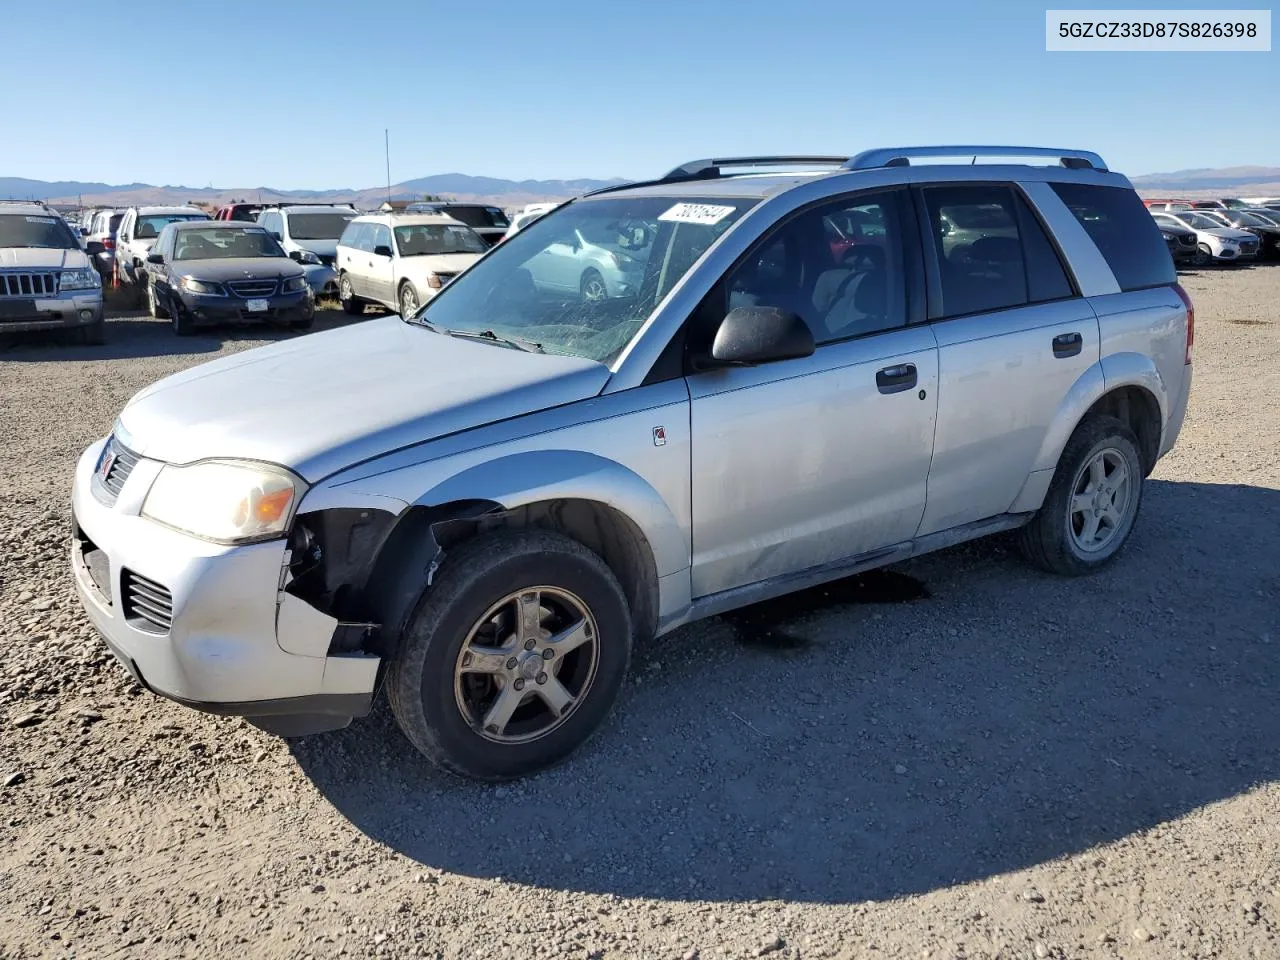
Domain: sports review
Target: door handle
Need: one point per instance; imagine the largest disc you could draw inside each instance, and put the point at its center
(1067, 345)
(897, 378)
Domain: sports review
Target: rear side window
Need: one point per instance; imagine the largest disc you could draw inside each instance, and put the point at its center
(1123, 231)
(974, 231)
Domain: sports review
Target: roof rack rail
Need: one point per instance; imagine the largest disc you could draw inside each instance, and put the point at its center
(902, 156)
(710, 168)
(299, 203)
(38, 203)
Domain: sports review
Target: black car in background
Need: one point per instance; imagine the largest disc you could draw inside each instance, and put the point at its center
(1181, 241)
(208, 271)
(488, 221)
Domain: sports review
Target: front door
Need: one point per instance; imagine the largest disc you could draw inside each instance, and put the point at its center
(808, 461)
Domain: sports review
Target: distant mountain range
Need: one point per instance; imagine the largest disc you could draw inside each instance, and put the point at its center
(458, 186)
(1244, 181)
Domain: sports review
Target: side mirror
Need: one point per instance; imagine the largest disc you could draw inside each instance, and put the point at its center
(751, 335)
(295, 255)
(382, 250)
(154, 258)
(94, 247)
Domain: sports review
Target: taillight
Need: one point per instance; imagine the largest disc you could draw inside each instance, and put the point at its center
(434, 282)
(1191, 318)
(108, 243)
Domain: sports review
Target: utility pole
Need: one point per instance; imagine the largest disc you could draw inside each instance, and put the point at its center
(386, 137)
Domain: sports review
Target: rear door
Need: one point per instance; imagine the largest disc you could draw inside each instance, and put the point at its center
(381, 275)
(1013, 337)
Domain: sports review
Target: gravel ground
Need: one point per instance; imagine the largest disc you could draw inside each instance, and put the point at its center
(1009, 765)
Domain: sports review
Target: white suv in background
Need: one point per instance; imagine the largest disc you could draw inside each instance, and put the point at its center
(401, 260)
(1216, 241)
(311, 228)
(137, 234)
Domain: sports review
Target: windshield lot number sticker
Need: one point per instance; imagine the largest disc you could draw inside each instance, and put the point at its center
(703, 213)
(40, 220)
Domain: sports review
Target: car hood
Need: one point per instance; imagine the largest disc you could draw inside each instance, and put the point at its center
(42, 258)
(237, 268)
(417, 267)
(323, 402)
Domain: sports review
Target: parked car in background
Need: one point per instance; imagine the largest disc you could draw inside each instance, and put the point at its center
(402, 260)
(488, 221)
(530, 213)
(1216, 242)
(1181, 241)
(597, 260)
(102, 230)
(1268, 233)
(47, 281)
(1220, 203)
(228, 272)
(487, 505)
(308, 228)
(239, 211)
(1166, 203)
(137, 233)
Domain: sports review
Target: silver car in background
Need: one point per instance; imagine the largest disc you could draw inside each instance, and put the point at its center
(484, 505)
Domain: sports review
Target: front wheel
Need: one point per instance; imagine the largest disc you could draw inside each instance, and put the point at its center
(1204, 256)
(592, 286)
(408, 300)
(1092, 503)
(513, 657)
(351, 305)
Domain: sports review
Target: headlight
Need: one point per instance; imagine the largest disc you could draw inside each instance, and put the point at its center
(225, 501)
(202, 286)
(306, 256)
(79, 280)
(294, 284)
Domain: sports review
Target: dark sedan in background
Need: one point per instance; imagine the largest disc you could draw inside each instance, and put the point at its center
(225, 272)
(1182, 243)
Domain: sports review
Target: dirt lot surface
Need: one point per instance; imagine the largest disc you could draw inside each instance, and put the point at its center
(1009, 765)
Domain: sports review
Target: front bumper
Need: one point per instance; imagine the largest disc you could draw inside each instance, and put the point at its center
(222, 650)
(65, 311)
(322, 280)
(282, 308)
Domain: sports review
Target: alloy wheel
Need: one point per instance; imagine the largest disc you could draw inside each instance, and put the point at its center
(526, 664)
(1100, 500)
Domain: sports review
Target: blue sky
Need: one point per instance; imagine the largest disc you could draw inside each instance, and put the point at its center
(290, 94)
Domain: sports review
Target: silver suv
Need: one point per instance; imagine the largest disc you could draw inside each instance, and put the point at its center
(823, 365)
(47, 281)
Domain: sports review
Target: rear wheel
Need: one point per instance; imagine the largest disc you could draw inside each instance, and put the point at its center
(154, 307)
(513, 657)
(1092, 503)
(351, 304)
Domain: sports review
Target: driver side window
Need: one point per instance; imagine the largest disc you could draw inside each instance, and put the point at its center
(837, 266)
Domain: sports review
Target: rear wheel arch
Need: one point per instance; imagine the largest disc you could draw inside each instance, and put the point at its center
(1136, 407)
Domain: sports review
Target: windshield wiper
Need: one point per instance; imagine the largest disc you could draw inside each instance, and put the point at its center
(518, 343)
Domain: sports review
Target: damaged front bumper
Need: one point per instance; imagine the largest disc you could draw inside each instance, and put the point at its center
(209, 625)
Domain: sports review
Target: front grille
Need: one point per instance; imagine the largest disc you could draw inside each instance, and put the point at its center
(122, 464)
(252, 288)
(1249, 246)
(146, 604)
(28, 284)
(1187, 239)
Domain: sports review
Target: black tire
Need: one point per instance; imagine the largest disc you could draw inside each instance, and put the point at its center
(1204, 256)
(475, 576)
(154, 307)
(184, 325)
(592, 286)
(1050, 540)
(137, 292)
(407, 298)
(352, 305)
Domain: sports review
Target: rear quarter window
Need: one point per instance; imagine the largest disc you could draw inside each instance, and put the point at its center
(1124, 232)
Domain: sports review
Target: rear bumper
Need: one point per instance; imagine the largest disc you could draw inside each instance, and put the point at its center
(221, 652)
(54, 313)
